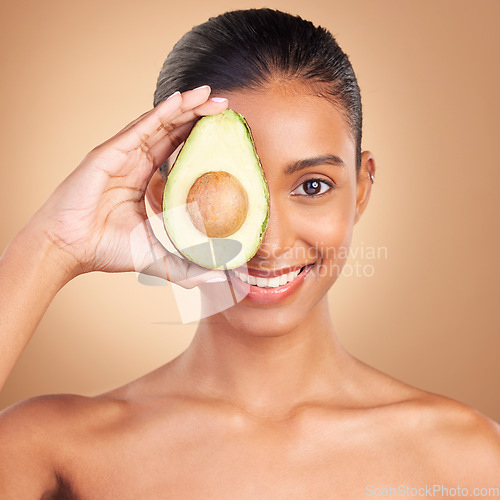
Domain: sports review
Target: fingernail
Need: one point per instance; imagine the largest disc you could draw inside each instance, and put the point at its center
(173, 95)
(215, 280)
(218, 99)
(202, 87)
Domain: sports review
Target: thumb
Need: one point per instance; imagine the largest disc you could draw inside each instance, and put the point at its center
(180, 271)
(150, 257)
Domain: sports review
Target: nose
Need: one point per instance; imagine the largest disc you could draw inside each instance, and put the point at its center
(279, 237)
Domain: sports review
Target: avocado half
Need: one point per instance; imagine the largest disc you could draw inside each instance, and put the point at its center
(217, 171)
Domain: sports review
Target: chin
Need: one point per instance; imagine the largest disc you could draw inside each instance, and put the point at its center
(276, 321)
(254, 322)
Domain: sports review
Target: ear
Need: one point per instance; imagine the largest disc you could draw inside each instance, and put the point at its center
(154, 192)
(364, 183)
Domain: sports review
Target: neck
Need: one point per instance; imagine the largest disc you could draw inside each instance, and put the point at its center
(267, 376)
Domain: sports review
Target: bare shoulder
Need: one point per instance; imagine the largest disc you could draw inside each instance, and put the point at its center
(449, 440)
(35, 435)
(460, 443)
(459, 421)
(60, 412)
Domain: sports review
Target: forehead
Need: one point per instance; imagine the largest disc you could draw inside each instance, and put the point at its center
(289, 124)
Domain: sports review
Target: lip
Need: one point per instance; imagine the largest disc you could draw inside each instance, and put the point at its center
(269, 273)
(259, 295)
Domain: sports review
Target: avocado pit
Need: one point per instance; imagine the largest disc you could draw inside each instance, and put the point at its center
(221, 204)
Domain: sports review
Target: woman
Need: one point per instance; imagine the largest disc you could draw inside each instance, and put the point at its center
(265, 402)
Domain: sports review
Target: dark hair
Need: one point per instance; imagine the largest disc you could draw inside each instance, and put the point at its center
(251, 48)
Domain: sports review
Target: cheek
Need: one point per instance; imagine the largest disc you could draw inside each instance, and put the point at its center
(329, 230)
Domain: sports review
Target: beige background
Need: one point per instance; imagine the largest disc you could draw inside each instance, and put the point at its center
(73, 73)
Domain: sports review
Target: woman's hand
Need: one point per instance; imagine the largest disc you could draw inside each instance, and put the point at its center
(91, 216)
(88, 222)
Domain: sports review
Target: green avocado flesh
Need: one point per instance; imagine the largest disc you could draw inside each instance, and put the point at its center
(217, 143)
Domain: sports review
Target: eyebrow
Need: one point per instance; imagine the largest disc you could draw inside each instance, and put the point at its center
(312, 162)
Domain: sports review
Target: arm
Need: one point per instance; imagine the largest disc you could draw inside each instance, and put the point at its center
(32, 271)
(87, 223)
(26, 469)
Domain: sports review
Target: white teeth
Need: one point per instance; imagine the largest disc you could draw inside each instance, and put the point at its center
(267, 282)
(283, 279)
(261, 281)
(274, 282)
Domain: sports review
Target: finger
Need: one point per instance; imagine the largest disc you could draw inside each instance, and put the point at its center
(156, 123)
(155, 116)
(188, 274)
(211, 107)
(163, 149)
(165, 146)
(180, 271)
(193, 98)
(183, 116)
(132, 123)
(157, 133)
(197, 275)
(208, 107)
(141, 129)
(150, 257)
(154, 126)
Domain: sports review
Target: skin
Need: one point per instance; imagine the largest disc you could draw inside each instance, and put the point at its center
(265, 402)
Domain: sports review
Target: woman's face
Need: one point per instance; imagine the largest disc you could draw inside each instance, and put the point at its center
(308, 157)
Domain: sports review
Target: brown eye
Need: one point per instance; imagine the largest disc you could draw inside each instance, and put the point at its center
(313, 187)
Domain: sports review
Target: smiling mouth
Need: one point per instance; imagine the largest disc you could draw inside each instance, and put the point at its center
(273, 281)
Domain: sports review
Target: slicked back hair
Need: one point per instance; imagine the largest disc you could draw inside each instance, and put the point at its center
(249, 49)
